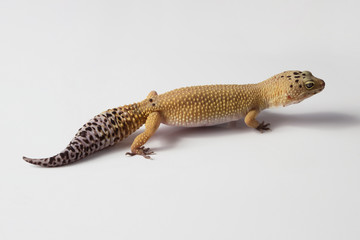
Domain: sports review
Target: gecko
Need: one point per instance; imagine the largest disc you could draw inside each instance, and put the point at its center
(194, 106)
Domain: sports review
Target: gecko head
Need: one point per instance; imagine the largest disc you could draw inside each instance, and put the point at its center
(298, 86)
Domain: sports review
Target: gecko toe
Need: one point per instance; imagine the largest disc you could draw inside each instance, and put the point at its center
(130, 154)
(263, 127)
(142, 151)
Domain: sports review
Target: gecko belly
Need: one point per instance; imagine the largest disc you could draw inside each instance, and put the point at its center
(189, 121)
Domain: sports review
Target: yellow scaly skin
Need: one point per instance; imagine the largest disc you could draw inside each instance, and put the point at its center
(187, 107)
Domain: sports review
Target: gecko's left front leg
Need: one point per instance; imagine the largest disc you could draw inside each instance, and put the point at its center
(151, 125)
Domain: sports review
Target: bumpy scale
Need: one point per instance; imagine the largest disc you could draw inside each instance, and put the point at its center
(187, 107)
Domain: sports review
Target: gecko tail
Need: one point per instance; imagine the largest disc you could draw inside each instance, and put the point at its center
(55, 161)
(37, 161)
(104, 130)
(75, 151)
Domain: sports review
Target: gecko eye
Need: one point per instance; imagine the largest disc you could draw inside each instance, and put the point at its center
(309, 84)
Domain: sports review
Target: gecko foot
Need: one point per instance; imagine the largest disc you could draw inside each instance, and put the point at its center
(263, 127)
(142, 151)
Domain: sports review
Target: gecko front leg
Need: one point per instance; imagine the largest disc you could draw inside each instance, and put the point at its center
(151, 125)
(250, 121)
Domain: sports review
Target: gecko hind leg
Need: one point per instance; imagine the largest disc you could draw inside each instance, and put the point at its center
(151, 125)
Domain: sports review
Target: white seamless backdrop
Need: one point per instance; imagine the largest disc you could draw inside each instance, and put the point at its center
(62, 62)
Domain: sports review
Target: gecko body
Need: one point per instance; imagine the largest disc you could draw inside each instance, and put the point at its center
(187, 107)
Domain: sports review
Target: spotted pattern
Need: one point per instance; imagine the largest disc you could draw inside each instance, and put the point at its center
(102, 131)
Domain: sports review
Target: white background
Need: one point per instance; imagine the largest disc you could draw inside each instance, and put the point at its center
(62, 62)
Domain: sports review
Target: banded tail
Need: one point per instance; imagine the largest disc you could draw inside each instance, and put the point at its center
(102, 131)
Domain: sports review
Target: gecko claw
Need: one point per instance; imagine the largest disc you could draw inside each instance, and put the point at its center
(142, 151)
(263, 127)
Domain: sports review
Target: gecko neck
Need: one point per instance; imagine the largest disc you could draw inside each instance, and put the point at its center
(272, 94)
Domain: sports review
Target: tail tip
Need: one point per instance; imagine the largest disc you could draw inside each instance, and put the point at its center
(44, 162)
(29, 160)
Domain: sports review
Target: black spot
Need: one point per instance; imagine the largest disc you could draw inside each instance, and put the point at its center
(88, 129)
(108, 115)
(300, 86)
(99, 128)
(62, 155)
(70, 148)
(153, 104)
(51, 160)
(95, 119)
(291, 86)
(76, 147)
(85, 141)
(304, 74)
(114, 112)
(296, 73)
(282, 76)
(112, 122)
(297, 76)
(66, 154)
(91, 138)
(150, 100)
(83, 133)
(297, 80)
